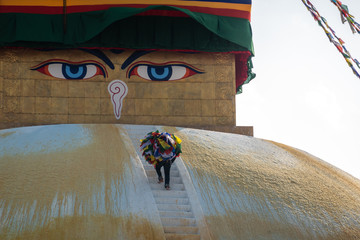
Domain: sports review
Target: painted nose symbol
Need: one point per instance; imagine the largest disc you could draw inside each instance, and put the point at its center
(118, 91)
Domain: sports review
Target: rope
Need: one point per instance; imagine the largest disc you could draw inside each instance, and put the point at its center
(338, 42)
(346, 16)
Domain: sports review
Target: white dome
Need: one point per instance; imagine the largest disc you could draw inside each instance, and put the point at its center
(87, 182)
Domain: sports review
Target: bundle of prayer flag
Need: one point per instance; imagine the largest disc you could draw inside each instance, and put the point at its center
(157, 147)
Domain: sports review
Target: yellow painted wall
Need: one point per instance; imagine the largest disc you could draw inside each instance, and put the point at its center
(28, 97)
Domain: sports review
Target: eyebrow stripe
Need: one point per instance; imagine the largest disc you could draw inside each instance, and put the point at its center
(99, 54)
(135, 55)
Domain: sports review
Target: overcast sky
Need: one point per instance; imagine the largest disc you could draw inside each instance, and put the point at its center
(304, 94)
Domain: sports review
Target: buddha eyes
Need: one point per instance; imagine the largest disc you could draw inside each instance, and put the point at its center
(59, 68)
(162, 72)
(168, 71)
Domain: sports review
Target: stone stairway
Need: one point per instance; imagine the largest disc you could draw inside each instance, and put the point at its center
(174, 206)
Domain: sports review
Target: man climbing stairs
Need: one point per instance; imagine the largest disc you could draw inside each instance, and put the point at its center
(174, 206)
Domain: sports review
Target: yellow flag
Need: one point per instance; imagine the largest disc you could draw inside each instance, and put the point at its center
(164, 144)
(177, 140)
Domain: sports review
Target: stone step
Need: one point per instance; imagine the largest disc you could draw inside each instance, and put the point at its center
(180, 201)
(181, 230)
(174, 236)
(173, 186)
(152, 173)
(148, 166)
(169, 194)
(174, 207)
(173, 179)
(178, 221)
(176, 214)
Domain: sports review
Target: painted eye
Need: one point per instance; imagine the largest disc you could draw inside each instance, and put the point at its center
(59, 68)
(162, 72)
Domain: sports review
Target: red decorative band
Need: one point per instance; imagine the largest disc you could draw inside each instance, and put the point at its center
(89, 8)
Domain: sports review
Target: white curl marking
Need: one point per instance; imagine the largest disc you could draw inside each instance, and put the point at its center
(118, 90)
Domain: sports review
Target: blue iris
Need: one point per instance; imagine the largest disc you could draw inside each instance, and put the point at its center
(71, 71)
(159, 73)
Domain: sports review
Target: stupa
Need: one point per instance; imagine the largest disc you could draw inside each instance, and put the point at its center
(81, 82)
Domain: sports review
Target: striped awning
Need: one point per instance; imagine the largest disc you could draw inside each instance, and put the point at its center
(230, 8)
